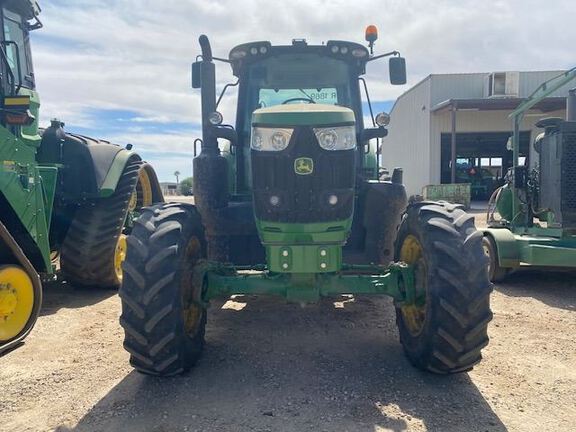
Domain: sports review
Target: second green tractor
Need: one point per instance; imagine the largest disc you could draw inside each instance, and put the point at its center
(288, 203)
(64, 197)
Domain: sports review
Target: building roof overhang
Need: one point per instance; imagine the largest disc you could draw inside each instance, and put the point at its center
(498, 104)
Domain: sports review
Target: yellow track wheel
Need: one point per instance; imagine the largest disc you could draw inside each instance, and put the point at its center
(120, 256)
(142, 196)
(414, 313)
(16, 301)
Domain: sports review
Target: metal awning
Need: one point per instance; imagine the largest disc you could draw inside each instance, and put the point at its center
(498, 104)
(453, 106)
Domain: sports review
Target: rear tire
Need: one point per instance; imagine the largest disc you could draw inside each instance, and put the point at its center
(89, 251)
(163, 315)
(445, 328)
(495, 272)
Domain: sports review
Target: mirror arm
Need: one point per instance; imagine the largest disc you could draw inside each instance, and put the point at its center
(368, 100)
(388, 54)
(223, 60)
(224, 91)
(372, 133)
(199, 58)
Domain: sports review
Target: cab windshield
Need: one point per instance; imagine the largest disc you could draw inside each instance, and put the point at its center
(297, 78)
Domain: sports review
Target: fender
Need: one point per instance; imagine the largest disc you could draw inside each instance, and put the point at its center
(506, 246)
(114, 172)
(381, 206)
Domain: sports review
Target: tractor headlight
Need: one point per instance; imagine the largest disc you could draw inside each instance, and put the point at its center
(270, 139)
(336, 138)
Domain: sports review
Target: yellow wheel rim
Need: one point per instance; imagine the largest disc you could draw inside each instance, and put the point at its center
(16, 301)
(192, 312)
(142, 195)
(120, 256)
(133, 201)
(414, 314)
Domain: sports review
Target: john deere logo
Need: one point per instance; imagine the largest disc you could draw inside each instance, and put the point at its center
(303, 166)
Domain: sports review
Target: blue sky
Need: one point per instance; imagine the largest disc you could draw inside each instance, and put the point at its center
(120, 69)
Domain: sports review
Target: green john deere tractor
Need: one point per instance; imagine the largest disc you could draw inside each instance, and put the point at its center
(532, 218)
(291, 205)
(61, 195)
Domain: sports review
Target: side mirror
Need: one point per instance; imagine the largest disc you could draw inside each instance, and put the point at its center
(196, 75)
(371, 133)
(397, 69)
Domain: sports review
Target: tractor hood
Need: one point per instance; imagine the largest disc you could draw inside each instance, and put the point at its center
(304, 114)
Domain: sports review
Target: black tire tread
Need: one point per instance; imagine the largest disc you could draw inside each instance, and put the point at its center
(87, 253)
(151, 291)
(458, 313)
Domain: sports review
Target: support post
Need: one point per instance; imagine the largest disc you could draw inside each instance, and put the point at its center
(571, 105)
(453, 144)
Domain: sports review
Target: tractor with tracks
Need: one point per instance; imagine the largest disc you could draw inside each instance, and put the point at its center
(288, 203)
(62, 195)
(532, 218)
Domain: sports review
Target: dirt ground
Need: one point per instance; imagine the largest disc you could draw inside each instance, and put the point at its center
(272, 366)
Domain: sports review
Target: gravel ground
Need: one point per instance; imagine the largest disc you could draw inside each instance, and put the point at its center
(272, 366)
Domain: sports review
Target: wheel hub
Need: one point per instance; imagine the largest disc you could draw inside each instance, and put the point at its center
(16, 301)
(487, 252)
(192, 310)
(8, 301)
(414, 309)
(120, 256)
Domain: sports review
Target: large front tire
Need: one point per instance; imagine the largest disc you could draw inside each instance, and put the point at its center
(163, 315)
(444, 328)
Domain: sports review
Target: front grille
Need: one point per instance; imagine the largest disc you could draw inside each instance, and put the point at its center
(303, 198)
(568, 199)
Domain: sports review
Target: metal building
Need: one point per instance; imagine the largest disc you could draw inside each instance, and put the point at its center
(450, 118)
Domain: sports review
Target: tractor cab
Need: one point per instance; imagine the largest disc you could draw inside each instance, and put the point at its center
(20, 103)
(299, 151)
(303, 74)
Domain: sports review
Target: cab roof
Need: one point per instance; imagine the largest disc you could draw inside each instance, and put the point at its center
(252, 52)
(29, 9)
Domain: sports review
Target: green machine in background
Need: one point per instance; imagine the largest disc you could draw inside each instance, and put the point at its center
(290, 204)
(62, 195)
(537, 206)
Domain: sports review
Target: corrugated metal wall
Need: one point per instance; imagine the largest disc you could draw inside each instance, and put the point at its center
(457, 86)
(407, 144)
(472, 86)
(529, 81)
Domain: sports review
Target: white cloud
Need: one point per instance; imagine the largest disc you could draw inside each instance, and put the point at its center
(135, 55)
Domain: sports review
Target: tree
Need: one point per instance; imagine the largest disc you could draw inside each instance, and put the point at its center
(186, 186)
(177, 174)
